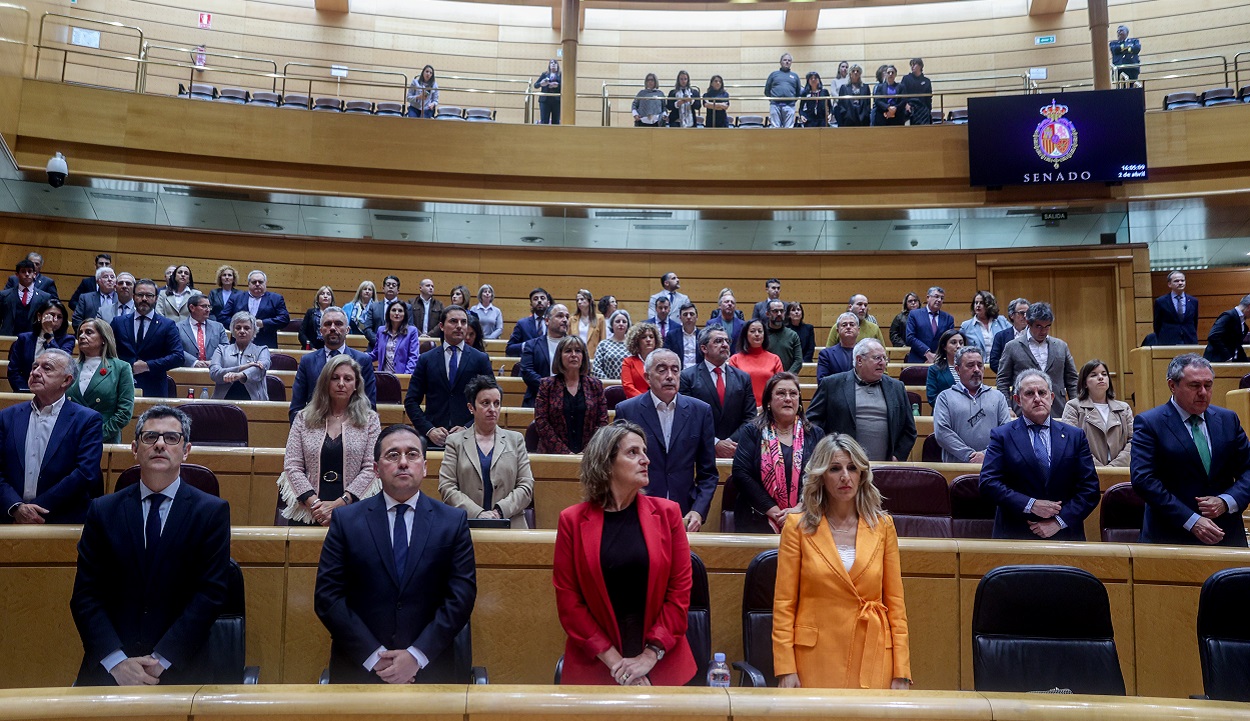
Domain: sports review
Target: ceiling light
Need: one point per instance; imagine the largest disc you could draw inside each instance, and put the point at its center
(532, 239)
(783, 243)
(271, 226)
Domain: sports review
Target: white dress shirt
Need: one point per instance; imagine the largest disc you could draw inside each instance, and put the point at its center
(150, 315)
(665, 411)
(1040, 351)
(447, 358)
(689, 344)
(253, 304)
(551, 352)
(42, 422)
(87, 371)
(410, 518)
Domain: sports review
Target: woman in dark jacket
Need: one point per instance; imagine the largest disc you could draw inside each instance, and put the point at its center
(814, 113)
(50, 330)
(854, 109)
(898, 327)
(310, 328)
(807, 334)
(570, 405)
(887, 107)
(716, 101)
(683, 103)
(549, 96)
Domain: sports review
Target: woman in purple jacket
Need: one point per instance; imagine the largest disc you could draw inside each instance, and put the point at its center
(399, 342)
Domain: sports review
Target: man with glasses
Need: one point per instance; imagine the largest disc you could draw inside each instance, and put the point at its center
(397, 581)
(965, 413)
(200, 333)
(925, 325)
(152, 568)
(148, 341)
(868, 405)
(267, 307)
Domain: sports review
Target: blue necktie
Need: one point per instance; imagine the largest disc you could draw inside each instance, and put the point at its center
(152, 531)
(1039, 448)
(454, 365)
(400, 543)
(143, 328)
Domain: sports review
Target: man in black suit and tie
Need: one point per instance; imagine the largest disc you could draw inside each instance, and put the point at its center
(772, 287)
(725, 389)
(439, 379)
(1191, 463)
(426, 309)
(868, 405)
(685, 342)
(377, 309)
(334, 333)
(19, 301)
(201, 335)
(680, 439)
(1226, 341)
(152, 568)
(102, 301)
(88, 284)
(537, 353)
(267, 307)
(925, 325)
(1017, 313)
(148, 341)
(1176, 314)
(531, 326)
(42, 282)
(397, 580)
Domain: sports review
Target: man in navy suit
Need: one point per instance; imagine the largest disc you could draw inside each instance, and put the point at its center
(839, 358)
(1039, 471)
(50, 449)
(676, 299)
(19, 301)
(1176, 314)
(531, 326)
(727, 317)
(725, 389)
(685, 342)
(88, 284)
(663, 318)
(152, 568)
(268, 308)
(397, 580)
(680, 439)
(1191, 463)
(102, 302)
(334, 333)
(925, 325)
(1228, 335)
(201, 335)
(1017, 314)
(42, 282)
(537, 353)
(439, 379)
(148, 341)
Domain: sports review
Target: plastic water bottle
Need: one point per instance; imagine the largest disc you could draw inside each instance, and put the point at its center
(204, 393)
(718, 672)
(915, 409)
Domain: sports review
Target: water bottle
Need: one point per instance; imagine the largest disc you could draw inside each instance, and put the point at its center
(204, 393)
(915, 409)
(718, 672)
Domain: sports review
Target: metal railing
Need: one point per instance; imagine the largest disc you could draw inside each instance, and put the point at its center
(530, 96)
(287, 75)
(1118, 79)
(114, 27)
(200, 68)
(1237, 68)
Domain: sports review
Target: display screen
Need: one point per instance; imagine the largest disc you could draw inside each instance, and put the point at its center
(1097, 136)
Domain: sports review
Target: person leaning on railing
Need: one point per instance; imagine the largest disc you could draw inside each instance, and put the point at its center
(648, 105)
(1124, 54)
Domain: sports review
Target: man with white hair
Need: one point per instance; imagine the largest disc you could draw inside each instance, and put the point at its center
(867, 405)
(267, 307)
(101, 303)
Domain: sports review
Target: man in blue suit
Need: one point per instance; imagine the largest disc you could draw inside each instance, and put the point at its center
(439, 379)
(148, 341)
(726, 316)
(1176, 314)
(839, 358)
(926, 325)
(268, 308)
(1039, 471)
(334, 333)
(663, 318)
(531, 326)
(680, 443)
(1017, 314)
(685, 342)
(153, 565)
(725, 389)
(1191, 463)
(50, 449)
(537, 353)
(397, 580)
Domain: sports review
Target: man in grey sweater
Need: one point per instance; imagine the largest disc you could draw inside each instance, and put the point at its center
(782, 339)
(782, 83)
(965, 413)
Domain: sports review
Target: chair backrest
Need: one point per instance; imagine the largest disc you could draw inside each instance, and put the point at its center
(699, 620)
(1120, 514)
(194, 475)
(1245, 381)
(958, 116)
(225, 647)
(217, 424)
(971, 515)
(233, 95)
(203, 91)
(750, 121)
(358, 106)
(264, 97)
(757, 613)
(390, 108)
(479, 114)
(389, 390)
(293, 325)
(936, 117)
(917, 498)
(1025, 640)
(449, 112)
(1244, 94)
(171, 387)
(1173, 101)
(275, 388)
(613, 395)
(931, 451)
(728, 501)
(531, 437)
(1218, 96)
(282, 362)
(330, 104)
(1223, 637)
(914, 375)
(291, 100)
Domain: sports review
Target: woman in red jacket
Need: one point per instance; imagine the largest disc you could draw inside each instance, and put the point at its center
(641, 339)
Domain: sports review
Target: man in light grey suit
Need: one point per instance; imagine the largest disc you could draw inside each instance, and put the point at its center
(1038, 350)
(201, 335)
(101, 303)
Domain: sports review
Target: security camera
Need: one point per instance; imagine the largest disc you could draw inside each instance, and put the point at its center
(58, 170)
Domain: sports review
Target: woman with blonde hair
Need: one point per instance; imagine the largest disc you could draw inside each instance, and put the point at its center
(105, 383)
(220, 296)
(310, 328)
(358, 307)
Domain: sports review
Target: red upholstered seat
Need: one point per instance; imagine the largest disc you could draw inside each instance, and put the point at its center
(971, 515)
(194, 475)
(917, 498)
(1120, 514)
(217, 424)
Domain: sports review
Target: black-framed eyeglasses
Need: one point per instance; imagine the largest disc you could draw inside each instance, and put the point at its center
(976, 417)
(171, 438)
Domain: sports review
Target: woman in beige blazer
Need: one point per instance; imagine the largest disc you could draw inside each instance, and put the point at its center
(588, 325)
(1108, 423)
(486, 452)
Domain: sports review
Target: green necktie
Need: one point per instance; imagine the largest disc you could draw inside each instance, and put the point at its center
(1200, 440)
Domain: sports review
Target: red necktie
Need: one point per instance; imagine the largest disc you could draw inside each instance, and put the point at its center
(199, 339)
(720, 385)
(933, 322)
(25, 296)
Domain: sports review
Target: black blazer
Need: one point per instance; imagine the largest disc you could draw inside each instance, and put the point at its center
(739, 407)
(271, 312)
(1001, 339)
(444, 401)
(753, 500)
(673, 342)
(807, 340)
(308, 331)
(535, 366)
(833, 409)
(42, 282)
(15, 319)
(121, 603)
(674, 115)
(526, 329)
(365, 602)
(854, 108)
(69, 475)
(1226, 339)
(86, 285)
(1170, 328)
(686, 471)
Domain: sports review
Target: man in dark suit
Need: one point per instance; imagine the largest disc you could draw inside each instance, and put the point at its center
(537, 353)
(377, 309)
(268, 308)
(839, 358)
(725, 389)
(1039, 350)
(1191, 463)
(868, 405)
(1039, 471)
(772, 287)
(334, 333)
(1226, 341)
(925, 325)
(439, 379)
(50, 449)
(42, 282)
(100, 302)
(685, 342)
(1176, 314)
(531, 326)
(426, 309)
(680, 443)
(148, 342)
(727, 316)
(152, 568)
(397, 580)
(88, 284)
(1016, 313)
(663, 318)
(19, 301)
(201, 335)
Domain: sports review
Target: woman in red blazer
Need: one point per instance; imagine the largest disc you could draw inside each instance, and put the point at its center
(622, 572)
(641, 339)
(570, 404)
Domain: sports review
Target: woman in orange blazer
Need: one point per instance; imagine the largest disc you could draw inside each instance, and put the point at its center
(622, 572)
(586, 323)
(838, 615)
(641, 339)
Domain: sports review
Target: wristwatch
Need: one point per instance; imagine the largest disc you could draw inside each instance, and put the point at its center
(659, 652)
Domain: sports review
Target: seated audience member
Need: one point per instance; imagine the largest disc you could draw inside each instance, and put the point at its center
(1017, 318)
(101, 302)
(621, 628)
(754, 358)
(537, 353)
(839, 357)
(267, 307)
(725, 389)
(1038, 471)
(888, 108)
(1176, 314)
(220, 296)
(488, 313)
(381, 630)
(570, 404)
(159, 533)
(50, 331)
(171, 301)
(426, 309)
(1039, 350)
(41, 282)
(965, 413)
(685, 342)
(105, 383)
(357, 309)
(898, 327)
(149, 342)
(805, 331)
(310, 328)
(866, 403)
(328, 462)
(88, 284)
(50, 450)
(868, 327)
(423, 94)
(727, 316)
(1108, 423)
(1228, 335)
(782, 340)
(377, 309)
(19, 301)
(664, 318)
(201, 335)
(398, 344)
(641, 341)
(918, 107)
(716, 102)
(925, 326)
(486, 469)
(985, 323)
(773, 450)
(854, 107)
(239, 368)
(334, 335)
(531, 326)
(683, 103)
(941, 375)
(611, 351)
(828, 633)
(435, 398)
(586, 323)
(648, 105)
(772, 289)
(473, 334)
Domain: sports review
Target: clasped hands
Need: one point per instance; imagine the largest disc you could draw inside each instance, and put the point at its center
(777, 514)
(1046, 510)
(321, 510)
(633, 671)
(398, 666)
(438, 436)
(138, 671)
(1205, 529)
